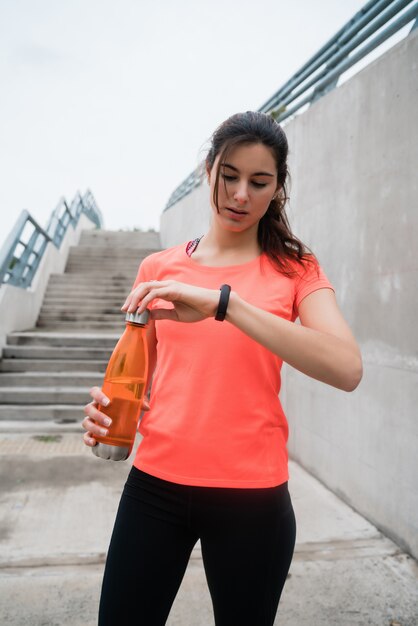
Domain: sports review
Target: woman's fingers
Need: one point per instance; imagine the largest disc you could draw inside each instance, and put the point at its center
(98, 395)
(126, 304)
(95, 422)
(96, 416)
(190, 303)
(145, 292)
(89, 440)
(164, 292)
(131, 302)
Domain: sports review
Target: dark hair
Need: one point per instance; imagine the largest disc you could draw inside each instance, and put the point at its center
(274, 234)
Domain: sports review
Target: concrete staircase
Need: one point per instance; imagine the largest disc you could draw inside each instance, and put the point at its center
(46, 372)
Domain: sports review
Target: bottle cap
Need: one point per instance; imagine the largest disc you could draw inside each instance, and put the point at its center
(110, 453)
(138, 318)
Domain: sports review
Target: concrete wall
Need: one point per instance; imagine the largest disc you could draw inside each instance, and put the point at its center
(354, 163)
(20, 307)
(187, 219)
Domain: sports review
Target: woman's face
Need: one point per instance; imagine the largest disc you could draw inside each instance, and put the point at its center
(247, 183)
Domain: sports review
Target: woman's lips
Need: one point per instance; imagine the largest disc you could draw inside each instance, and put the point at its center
(236, 212)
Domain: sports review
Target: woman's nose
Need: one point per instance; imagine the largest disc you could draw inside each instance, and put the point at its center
(241, 194)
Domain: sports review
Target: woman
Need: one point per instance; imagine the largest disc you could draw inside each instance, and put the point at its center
(212, 464)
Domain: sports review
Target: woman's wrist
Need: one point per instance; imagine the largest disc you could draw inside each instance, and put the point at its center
(233, 304)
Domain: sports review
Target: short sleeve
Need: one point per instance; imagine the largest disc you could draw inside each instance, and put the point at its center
(311, 278)
(144, 272)
(149, 270)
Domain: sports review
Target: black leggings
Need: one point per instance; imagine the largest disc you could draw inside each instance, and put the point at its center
(247, 538)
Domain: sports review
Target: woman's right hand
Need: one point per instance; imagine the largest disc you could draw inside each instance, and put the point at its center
(95, 422)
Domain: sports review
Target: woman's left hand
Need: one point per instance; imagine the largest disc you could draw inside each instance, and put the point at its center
(191, 304)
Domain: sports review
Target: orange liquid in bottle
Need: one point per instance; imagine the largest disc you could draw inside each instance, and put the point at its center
(124, 409)
(124, 385)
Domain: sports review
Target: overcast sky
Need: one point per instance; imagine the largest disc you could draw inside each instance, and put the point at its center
(121, 96)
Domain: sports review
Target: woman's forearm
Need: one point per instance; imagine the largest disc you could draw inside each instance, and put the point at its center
(319, 355)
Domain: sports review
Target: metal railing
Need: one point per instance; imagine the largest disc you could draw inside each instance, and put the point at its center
(193, 180)
(22, 251)
(321, 73)
(354, 41)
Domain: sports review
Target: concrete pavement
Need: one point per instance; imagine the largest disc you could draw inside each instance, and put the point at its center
(57, 507)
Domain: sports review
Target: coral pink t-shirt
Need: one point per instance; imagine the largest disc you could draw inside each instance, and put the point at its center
(216, 419)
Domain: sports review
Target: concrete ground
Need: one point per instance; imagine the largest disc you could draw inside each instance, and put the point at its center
(57, 507)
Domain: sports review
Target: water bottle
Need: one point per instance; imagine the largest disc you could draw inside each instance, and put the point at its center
(124, 385)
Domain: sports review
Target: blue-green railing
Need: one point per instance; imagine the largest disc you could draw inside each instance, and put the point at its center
(22, 251)
(321, 73)
(355, 40)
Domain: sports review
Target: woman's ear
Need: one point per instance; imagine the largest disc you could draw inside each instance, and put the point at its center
(278, 190)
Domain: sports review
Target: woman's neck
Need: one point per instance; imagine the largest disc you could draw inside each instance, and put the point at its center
(228, 246)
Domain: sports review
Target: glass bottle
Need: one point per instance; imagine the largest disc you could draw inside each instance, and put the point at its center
(124, 385)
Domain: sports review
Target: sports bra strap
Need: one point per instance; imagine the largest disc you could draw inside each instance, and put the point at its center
(192, 245)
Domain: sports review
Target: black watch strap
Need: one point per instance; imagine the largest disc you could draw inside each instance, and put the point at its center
(223, 303)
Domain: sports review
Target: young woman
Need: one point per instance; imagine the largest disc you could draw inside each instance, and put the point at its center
(212, 464)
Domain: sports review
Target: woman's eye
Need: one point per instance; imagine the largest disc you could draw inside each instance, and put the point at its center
(259, 184)
(232, 178)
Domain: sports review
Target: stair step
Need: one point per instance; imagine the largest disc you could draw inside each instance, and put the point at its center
(55, 379)
(87, 294)
(87, 309)
(89, 282)
(116, 254)
(81, 317)
(62, 339)
(146, 240)
(91, 285)
(86, 280)
(84, 277)
(135, 239)
(88, 257)
(100, 270)
(86, 305)
(124, 269)
(43, 412)
(117, 276)
(59, 353)
(89, 305)
(44, 395)
(52, 365)
(77, 301)
(116, 265)
(112, 327)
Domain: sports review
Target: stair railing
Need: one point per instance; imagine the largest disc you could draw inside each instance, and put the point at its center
(23, 249)
(340, 53)
(320, 74)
